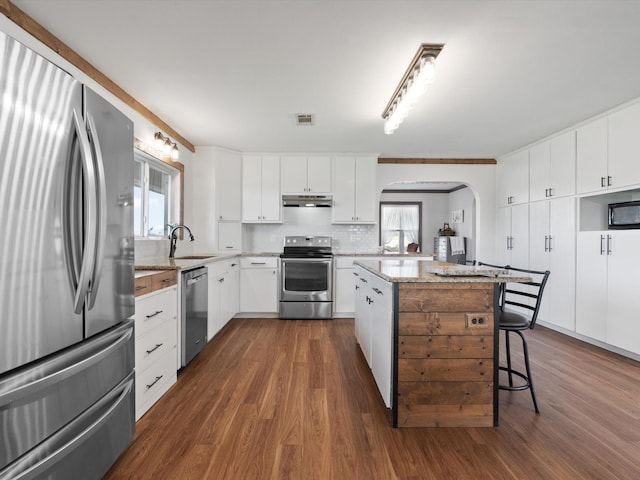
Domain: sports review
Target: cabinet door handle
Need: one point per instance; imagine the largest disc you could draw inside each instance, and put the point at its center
(221, 280)
(609, 182)
(546, 243)
(602, 182)
(158, 345)
(158, 312)
(609, 242)
(507, 242)
(357, 287)
(154, 382)
(550, 243)
(601, 244)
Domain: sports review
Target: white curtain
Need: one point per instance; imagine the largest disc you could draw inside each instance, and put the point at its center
(403, 220)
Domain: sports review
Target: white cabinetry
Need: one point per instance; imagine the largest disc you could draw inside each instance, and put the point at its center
(512, 239)
(552, 167)
(344, 284)
(306, 175)
(354, 190)
(259, 285)
(552, 247)
(228, 185)
(624, 147)
(224, 291)
(261, 199)
(374, 328)
(156, 342)
(609, 151)
(608, 275)
(512, 174)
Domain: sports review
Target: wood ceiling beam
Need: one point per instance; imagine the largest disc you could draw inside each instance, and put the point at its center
(32, 27)
(439, 161)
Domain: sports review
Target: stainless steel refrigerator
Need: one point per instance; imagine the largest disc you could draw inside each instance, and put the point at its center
(66, 273)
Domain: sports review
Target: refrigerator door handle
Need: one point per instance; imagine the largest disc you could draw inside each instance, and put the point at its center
(22, 391)
(101, 197)
(88, 256)
(38, 460)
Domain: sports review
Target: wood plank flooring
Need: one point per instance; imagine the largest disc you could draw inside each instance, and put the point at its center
(282, 399)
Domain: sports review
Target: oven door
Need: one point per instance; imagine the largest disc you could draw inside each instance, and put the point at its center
(306, 279)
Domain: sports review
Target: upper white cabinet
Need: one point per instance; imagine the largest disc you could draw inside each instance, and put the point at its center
(552, 167)
(513, 179)
(306, 175)
(261, 199)
(354, 189)
(552, 247)
(228, 185)
(608, 151)
(513, 236)
(624, 147)
(592, 145)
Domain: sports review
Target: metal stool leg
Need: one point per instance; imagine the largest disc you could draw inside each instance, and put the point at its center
(525, 350)
(508, 351)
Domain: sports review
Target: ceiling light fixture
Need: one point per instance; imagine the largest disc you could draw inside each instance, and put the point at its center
(420, 73)
(168, 148)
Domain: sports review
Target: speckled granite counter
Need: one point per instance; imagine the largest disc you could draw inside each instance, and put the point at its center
(341, 253)
(181, 262)
(426, 271)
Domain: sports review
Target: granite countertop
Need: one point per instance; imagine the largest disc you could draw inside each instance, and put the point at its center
(180, 262)
(428, 271)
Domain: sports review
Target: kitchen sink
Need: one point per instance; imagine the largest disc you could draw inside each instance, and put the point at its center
(194, 257)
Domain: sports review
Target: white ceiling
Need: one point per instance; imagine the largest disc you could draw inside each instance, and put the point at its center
(235, 73)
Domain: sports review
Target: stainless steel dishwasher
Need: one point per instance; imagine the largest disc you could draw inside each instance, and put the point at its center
(194, 312)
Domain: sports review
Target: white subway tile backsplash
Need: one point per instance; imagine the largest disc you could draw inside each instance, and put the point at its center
(309, 221)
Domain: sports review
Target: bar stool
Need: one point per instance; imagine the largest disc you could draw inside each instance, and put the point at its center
(517, 321)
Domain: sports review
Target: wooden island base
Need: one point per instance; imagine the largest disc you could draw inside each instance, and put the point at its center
(445, 372)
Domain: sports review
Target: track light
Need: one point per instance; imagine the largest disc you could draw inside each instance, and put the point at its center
(414, 83)
(168, 148)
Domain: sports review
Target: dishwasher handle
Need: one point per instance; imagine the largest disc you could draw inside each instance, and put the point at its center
(193, 280)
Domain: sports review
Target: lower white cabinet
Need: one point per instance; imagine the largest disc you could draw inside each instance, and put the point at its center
(259, 285)
(156, 343)
(224, 290)
(344, 284)
(374, 328)
(607, 299)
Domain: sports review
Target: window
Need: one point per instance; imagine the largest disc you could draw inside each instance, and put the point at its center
(400, 225)
(155, 192)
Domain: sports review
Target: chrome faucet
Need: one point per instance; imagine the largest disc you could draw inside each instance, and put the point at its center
(173, 236)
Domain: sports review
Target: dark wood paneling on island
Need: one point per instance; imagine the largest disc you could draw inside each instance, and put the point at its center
(445, 371)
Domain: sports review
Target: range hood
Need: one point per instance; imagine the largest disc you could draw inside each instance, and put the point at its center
(306, 200)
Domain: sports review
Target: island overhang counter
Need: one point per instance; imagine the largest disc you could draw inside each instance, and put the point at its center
(430, 335)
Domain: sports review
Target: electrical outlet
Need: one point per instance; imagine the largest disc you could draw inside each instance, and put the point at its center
(476, 320)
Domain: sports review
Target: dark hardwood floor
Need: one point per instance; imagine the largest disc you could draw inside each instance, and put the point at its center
(281, 399)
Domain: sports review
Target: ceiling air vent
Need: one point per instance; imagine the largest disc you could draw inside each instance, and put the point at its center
(304, 118)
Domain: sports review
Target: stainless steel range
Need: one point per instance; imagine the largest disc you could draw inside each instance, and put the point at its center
(306, 281)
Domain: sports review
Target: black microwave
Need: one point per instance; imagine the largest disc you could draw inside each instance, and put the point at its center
(624, 215)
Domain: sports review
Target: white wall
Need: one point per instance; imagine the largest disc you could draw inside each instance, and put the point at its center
(465, 200)
(481, 180)
(435, 211)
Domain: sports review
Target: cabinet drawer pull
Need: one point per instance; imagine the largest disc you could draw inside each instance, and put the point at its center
(141, 287)
(363, 280)
(167, 280)
(154, 382)
(355, 274)
(158, 345)
(228, 247)
(379, 292)
(258, 263)
(158, 312)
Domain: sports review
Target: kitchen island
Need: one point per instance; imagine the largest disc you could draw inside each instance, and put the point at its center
(429, 333)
